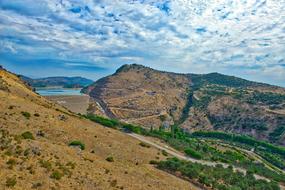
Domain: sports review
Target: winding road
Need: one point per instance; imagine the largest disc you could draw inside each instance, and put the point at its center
(183, 157)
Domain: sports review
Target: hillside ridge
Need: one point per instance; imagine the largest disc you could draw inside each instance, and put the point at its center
(67, 82)
(154, 99)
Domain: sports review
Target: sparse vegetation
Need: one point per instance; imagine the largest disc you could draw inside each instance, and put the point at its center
(153, 162)
(11, 181)
(11, 163)
(56, 175)
(28, 135)
(215, 177)
(196, 148)
(110, 159)
(27, 115)
(143, 144)
(267, 98)
(277, 133)
(241, 139)
(37, 115)
(77, 143)
(164, 153)
(45, 164)
(192, 153)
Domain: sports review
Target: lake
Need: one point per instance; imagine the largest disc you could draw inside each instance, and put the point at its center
(58, 91)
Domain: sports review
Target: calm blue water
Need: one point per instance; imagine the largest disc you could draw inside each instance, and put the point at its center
(58, 91)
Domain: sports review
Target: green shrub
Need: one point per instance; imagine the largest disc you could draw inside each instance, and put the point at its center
(77, 143)
(192, 153)
(56, 175)
(133, 128)
(37, 115)
(143, 144)
(153, 162)
(110, 159)
(11, 182)
(11, 163)
(27, 115)
(45, 164)
(104, 121)
(28, 135)
(164, 153)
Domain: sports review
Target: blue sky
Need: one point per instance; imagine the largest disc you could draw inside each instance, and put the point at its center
(92, 38)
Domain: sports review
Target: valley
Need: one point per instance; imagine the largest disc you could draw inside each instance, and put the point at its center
(142, 95)
(92, 131)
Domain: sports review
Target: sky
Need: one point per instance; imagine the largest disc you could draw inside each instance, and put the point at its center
(92, 38)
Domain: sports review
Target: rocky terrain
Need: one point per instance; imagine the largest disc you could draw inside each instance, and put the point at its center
(44, 146)
(153, 99)
(141, 95)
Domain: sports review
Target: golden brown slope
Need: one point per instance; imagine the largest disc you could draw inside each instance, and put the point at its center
(27, 163)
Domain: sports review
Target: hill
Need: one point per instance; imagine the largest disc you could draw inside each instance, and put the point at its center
(151, 98)
(44, 146)
(66, 82)
(141, 95)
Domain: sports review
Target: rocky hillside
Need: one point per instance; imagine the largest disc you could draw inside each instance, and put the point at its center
(152, 98)
(66, 82)
(141, 95)
(44, 146)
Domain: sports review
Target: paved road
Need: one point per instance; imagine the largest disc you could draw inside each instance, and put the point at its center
(183, 157)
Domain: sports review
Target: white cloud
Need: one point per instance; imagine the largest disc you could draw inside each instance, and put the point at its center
(179, 35)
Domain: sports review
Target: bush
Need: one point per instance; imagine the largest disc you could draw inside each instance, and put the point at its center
(37, 115)
(28, 135)
(164, 153)
(11, 163)
(103, 121)
(133, 128)
(77, 143)
(192, 153)
(153, 162)
(27, 115)
(56, 175)
(110, 159)
(144, 145)
(11, 182)
(45, 164)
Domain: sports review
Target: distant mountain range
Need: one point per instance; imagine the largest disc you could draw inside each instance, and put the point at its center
(66, 82)
(153, 99)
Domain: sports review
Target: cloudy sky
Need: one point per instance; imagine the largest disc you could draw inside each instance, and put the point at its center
(92, 38)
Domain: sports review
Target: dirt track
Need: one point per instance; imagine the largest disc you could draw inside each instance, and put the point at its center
(181, 156)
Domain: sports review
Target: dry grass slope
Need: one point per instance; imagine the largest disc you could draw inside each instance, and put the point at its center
(42, 159)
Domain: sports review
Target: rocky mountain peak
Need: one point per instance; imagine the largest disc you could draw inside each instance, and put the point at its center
(128, 67)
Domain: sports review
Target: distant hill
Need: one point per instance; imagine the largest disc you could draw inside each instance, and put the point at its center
(66, 82)
(151, 98)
